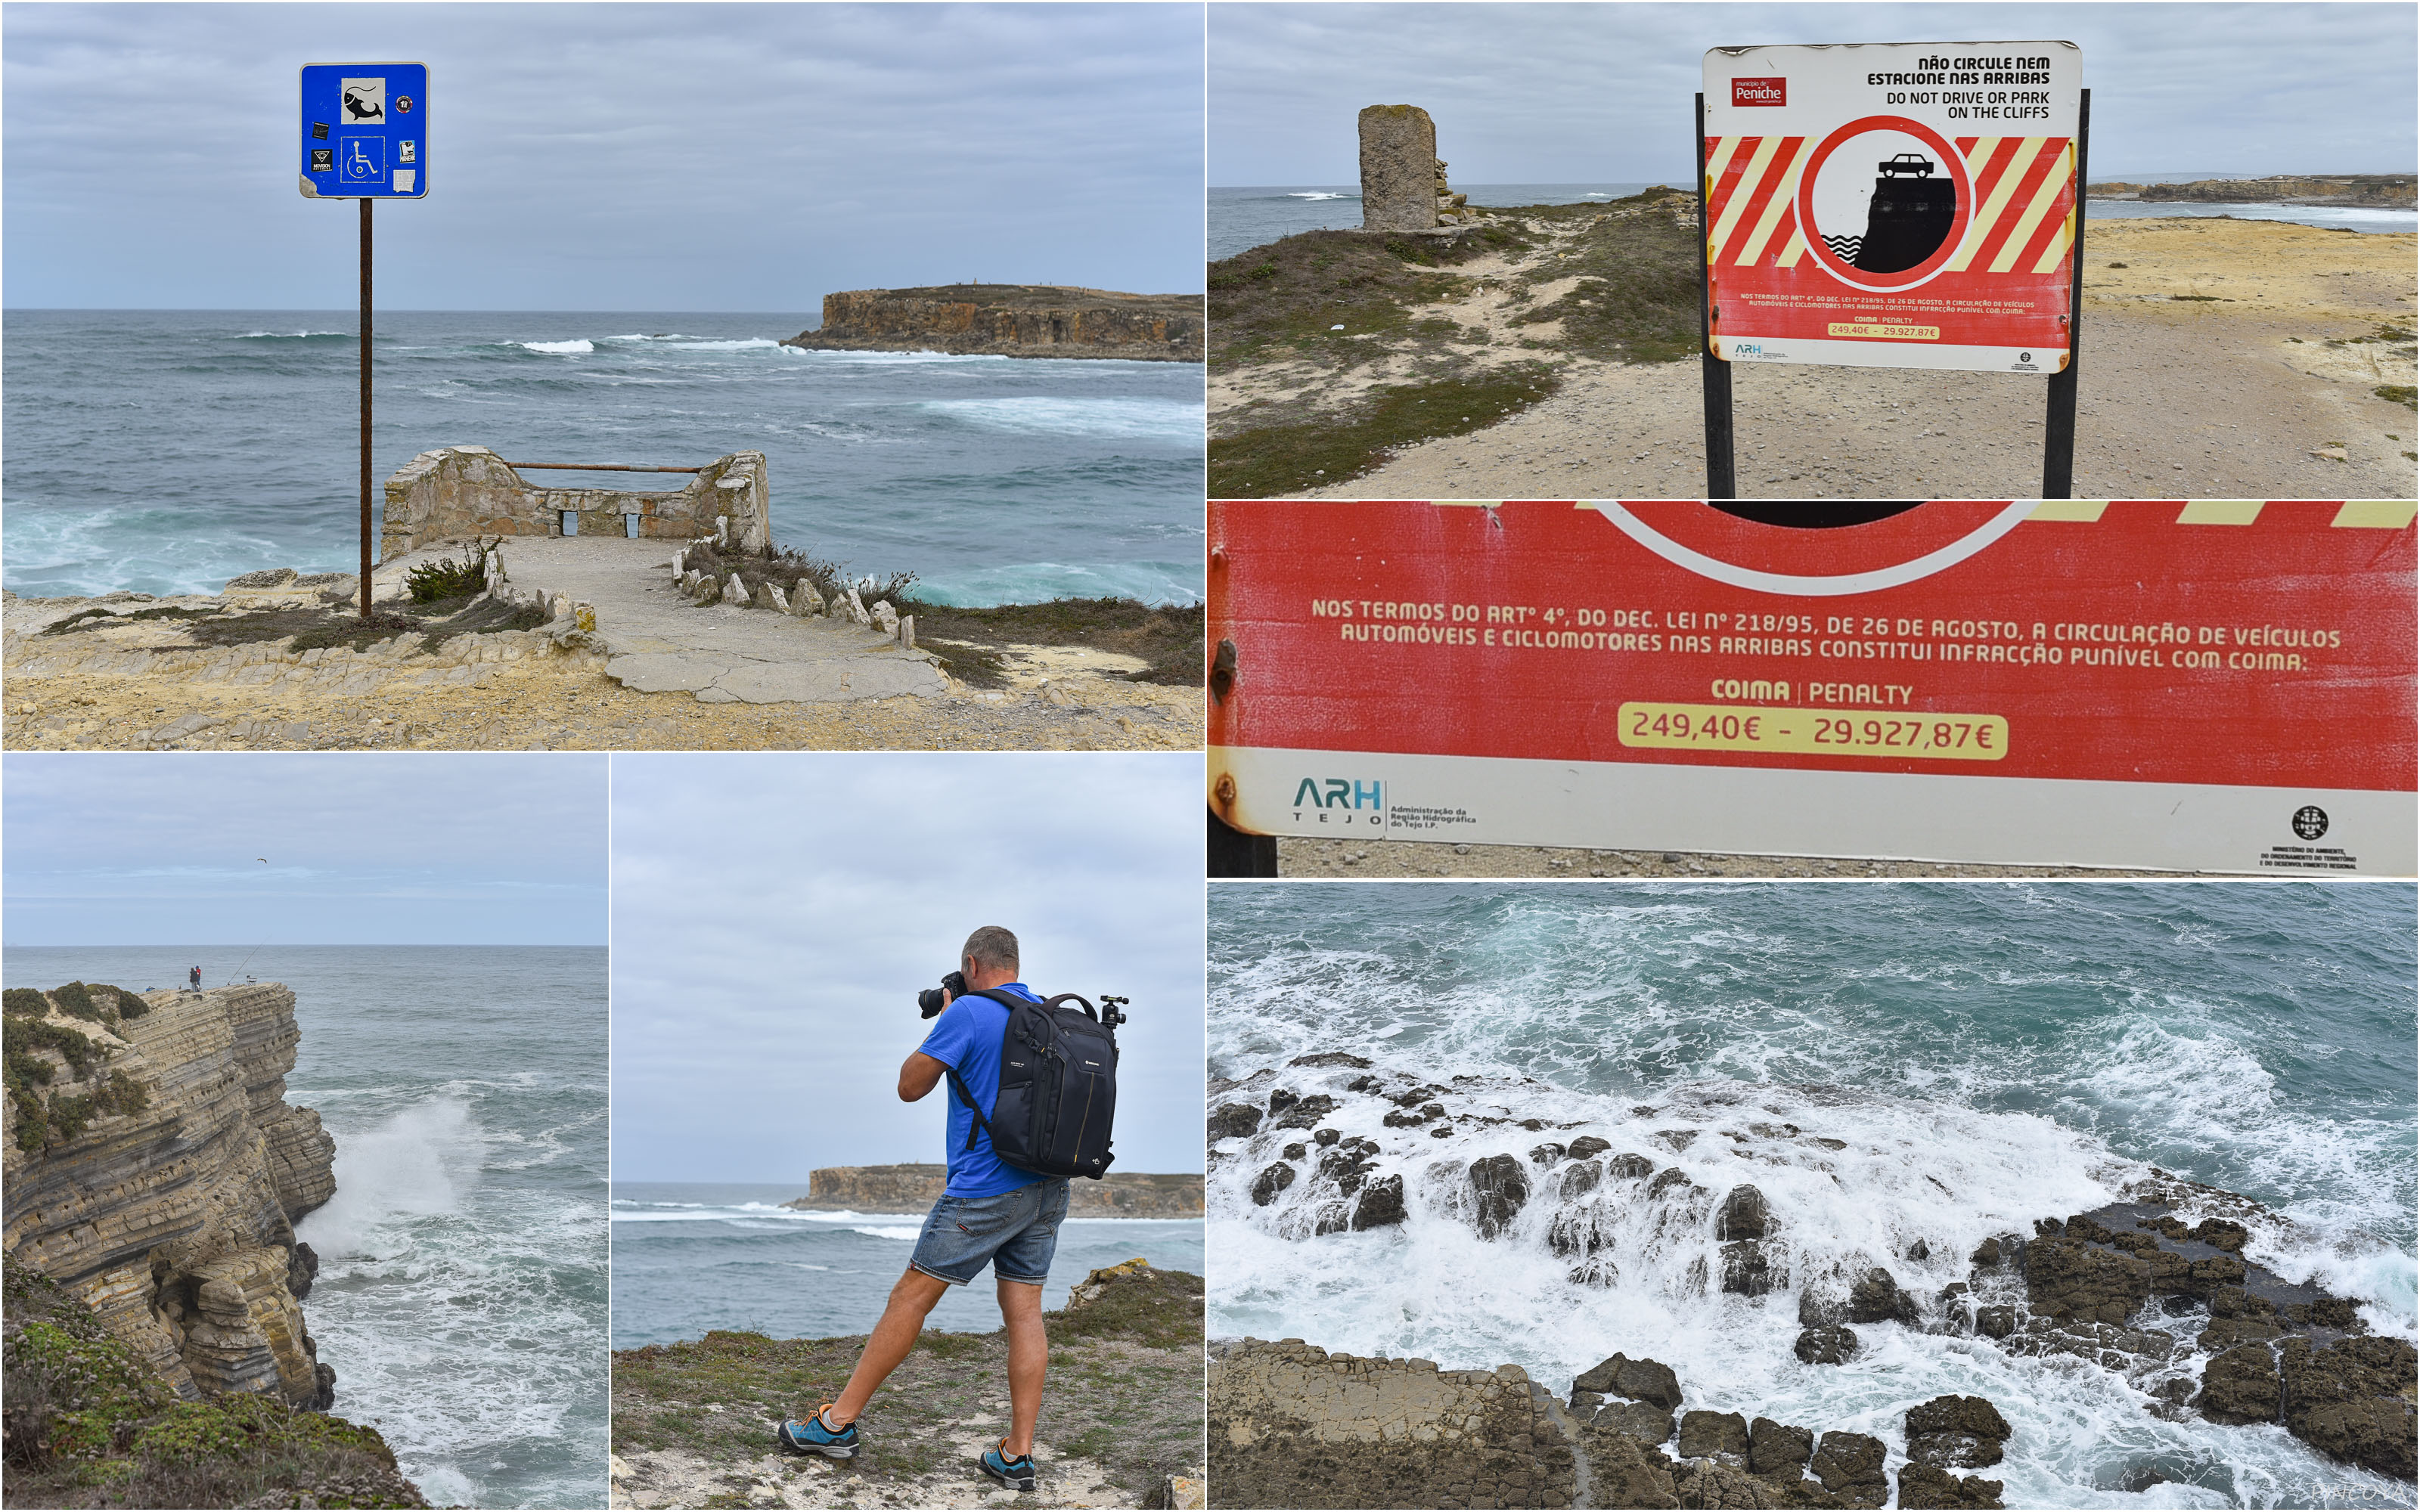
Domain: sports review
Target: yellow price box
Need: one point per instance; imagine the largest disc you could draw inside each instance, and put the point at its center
(1884, 332)
(1943, 737)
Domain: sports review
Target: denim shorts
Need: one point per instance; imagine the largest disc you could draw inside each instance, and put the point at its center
(1014, 1233)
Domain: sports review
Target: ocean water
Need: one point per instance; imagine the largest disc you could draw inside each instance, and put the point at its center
(1246, 217)
(690, 1257)
(167, 451)
(1989, 1053)
(463, 1285)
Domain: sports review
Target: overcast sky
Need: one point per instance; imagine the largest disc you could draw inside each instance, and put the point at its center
(360, 849)
(606, 157)
(1602, 93)
(776, 916)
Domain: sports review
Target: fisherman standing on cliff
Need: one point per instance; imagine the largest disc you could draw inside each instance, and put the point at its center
(991, 1214)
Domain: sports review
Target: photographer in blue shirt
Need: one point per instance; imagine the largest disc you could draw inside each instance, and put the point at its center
(991, 1214)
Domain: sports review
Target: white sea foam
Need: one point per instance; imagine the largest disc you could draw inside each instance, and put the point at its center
(1141, 418)
(416, 1164)
(1318, 194)
(889, 1233)
(562, 348)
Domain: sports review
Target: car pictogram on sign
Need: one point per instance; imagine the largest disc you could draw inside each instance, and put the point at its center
(1908, 163)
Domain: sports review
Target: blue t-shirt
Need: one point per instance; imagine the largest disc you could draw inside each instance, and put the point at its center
(966, 1038)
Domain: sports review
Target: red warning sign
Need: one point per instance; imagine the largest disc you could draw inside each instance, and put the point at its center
(1893, 205)
(2143, 684)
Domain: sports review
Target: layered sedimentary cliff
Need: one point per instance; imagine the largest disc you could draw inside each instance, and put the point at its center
(1714, 1194)
(915, 1188)
(1011, 321)
(2367, 190)
(154, 1170)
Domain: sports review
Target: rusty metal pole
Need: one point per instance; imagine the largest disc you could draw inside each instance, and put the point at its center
(365, 408)
(1714, 374)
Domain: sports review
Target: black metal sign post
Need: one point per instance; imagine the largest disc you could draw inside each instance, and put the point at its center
(365, 408)
(2058, 425)
(1714, 374)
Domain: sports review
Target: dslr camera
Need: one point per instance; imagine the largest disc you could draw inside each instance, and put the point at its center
(931, 1001)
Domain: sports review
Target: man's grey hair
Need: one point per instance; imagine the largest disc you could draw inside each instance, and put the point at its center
(991, 946)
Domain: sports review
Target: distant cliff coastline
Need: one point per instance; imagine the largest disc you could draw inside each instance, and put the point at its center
(915, 1188)
(1011, 321)
(154, 1170)
(2358, 191)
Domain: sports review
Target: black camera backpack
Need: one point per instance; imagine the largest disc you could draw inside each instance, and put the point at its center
(1058, 1086)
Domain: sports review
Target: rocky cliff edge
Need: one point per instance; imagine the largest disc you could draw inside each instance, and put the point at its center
(1012, 320)
(154, 1170)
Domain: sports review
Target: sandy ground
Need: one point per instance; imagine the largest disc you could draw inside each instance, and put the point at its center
(1415, 859)
(2233, 391)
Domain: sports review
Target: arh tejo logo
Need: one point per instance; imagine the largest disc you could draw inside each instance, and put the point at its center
(2310, 821)
(1339, 800)
(1759, 91)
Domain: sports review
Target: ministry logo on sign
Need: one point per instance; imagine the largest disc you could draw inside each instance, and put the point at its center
(1759, 91)
(1347, 801)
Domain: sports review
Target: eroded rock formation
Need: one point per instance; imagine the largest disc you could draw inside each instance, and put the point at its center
(915, 1188)
(155, 1171)
(1011, 321)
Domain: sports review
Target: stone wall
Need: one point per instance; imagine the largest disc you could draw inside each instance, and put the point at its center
(175, 1221)
(457, 492)
(1011, 321)
(1403, 185)
(915, 1188)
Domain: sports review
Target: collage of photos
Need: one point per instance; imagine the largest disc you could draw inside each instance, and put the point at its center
(1209, 754)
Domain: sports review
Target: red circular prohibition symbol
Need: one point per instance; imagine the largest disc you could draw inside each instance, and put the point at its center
(1907, 278)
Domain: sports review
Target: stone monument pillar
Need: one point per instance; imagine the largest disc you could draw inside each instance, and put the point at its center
(1399, 169)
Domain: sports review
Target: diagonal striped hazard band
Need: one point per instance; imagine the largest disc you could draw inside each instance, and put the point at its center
(2024, 218)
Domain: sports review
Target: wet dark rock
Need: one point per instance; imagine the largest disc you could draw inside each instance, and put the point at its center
(2202, 1277)
(2240, 1386)
(1918, 1250)
(2066, 1278)
(1675, 1140)
(2047, 1227)
(1266, 1185)
(1829, 1144)
(1744, 1214)
(1925, 1486)
(1330, 1058)
(1778, 1450)
(2234, 1302)
(1588, 1145)
(1826, 1346)
(1581, 1180)
(1306, 1113)
(1666, 1183)
(1875, 1298)
(1623, 1471)
(1750, 1268)
(1643, 1421)
(2327, 1312)
(1281, 1099)
(1325, 1137)
(1996, 1322)
(1626, 1168)
(1402, 1120)
(2219, 1234)
(1959, 1432)
(1850, 1465)
(1986, 1256)
(1574, 1233)
(1706, 1435)
(1365, 1084)
(1295, 1151)
(1502, 1188)
(1641, 1380)
(1715, 1483)
(1546, 1154)
(1815, 1310)
(2352, 1400)
(1380, 1205)
(1233, 1118)
(1441, 1134)
(1348, 1165)
(302, 1267)
(2225, 1333)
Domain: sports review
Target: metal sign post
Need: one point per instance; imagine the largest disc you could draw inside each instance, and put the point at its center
(364, 137)
(1911, 205)
(2058, 425)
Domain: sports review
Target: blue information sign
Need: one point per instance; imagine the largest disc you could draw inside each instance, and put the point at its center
(364, 131)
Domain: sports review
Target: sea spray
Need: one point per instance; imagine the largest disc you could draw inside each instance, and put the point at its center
(412, 1165)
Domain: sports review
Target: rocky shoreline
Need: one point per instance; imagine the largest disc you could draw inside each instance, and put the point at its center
(1120, 1420)
(1011, 321)
(2361, 191)
(2152, 1288)
(154, 1173)
(914, 1189)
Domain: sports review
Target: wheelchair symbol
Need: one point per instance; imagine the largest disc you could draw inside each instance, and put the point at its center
(360, 160)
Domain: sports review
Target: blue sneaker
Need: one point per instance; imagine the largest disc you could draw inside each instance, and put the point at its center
(811, 1438)
(1016, 1474)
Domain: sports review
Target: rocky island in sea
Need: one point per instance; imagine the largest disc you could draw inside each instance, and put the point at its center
(1011, 321)
(156, 1347)
(886, 1189)
(1794, 1231)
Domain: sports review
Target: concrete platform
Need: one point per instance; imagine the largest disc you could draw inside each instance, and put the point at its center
(660, 642)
